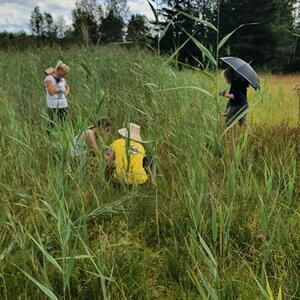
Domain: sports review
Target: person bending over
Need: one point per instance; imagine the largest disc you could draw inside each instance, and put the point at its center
(125, 157)
(88, 141)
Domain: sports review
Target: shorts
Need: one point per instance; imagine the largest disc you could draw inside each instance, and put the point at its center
(237, 114)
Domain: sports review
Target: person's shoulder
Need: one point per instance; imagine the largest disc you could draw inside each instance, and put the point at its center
(118, 142)
(138, 144)
(246, 83)
(49, 77)
(88, 131)
(235, 81)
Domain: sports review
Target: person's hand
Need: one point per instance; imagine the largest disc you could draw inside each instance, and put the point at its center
(108, 155)
(222, 93)
(61, 88)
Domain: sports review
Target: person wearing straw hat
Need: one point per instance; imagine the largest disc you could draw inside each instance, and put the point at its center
(127, 156)
(49, 71)
(56, 91)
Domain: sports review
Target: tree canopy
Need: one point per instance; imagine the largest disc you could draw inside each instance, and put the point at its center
(269, 38)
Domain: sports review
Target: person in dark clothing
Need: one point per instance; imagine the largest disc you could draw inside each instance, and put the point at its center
(237, 105)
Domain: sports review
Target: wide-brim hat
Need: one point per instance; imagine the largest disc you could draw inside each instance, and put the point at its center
(134, 132)
(49, 71)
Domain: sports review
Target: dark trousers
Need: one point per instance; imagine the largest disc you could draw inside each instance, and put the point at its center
(235, 113)
(57, 115)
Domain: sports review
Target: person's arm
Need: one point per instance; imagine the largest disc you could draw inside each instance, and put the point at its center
(226, 94)
(90, 137)
(236, 92)
(67, 90)
(229, 96)
(109, 155)
(52, 87)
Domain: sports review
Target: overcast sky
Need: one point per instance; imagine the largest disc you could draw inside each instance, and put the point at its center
(15, 14)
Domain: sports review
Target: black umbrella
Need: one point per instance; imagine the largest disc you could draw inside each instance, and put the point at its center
(244, 69)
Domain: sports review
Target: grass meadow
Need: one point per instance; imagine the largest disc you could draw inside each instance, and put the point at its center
(221, 220)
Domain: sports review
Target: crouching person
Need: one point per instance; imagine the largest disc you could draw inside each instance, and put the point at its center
(126, 157)
(91, 138)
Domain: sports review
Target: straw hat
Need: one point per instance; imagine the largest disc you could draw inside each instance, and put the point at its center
(61, 65)
(134, 132)
(49, 71)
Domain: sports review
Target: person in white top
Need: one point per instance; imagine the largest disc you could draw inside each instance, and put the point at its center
(89, 139)
(57, 90)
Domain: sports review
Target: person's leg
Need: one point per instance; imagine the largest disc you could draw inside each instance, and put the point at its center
(230, 115)
(243, 116)
(227, 108)
(51, 122)
(149, 165)
(236, 113)
(62, 114)
(109, 172)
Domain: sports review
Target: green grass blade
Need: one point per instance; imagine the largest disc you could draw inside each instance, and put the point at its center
(43, 288)
(47, 255)
(203, 49)
(153, 10)
(228, 36)
(70, 266)
(199, 20)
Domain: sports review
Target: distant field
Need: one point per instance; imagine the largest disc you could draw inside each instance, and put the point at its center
(221, 221)
(280, 103)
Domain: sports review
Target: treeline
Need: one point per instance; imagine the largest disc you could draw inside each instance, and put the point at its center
(93, 23)
(269, 37)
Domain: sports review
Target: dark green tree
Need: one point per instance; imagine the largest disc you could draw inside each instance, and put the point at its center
(37, 22)
(49, 27)
(268, 43)
(112, 28)
(181, 27)
(87, 16)
(137, 29)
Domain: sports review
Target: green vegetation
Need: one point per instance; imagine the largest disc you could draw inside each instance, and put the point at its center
(220, 222)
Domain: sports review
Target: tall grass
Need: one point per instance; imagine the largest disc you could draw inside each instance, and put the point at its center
(221, 221)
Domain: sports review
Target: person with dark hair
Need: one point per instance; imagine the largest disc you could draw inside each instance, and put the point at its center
(237, 105)
(88, 140)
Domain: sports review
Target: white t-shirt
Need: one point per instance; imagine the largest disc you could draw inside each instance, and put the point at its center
(58, 100)
(80, 146)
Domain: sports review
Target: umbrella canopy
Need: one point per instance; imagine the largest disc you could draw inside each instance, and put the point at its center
(244, 69)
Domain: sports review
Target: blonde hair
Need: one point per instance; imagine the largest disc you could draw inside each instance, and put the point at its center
(61, 65)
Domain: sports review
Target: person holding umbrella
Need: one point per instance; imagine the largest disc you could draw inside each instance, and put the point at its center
(239, 75)
(237, 104)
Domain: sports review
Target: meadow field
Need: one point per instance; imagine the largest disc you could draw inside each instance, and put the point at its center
(220, 221)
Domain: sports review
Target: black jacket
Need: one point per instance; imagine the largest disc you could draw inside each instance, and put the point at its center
(239, 89)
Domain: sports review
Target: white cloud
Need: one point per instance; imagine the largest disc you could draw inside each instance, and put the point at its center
(15, 15)
(140, 7)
